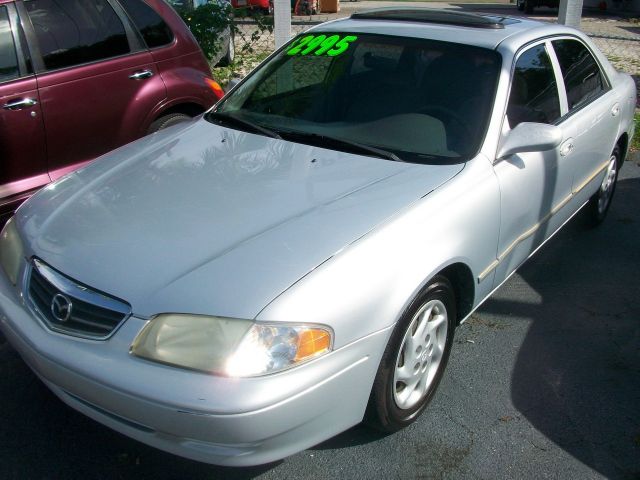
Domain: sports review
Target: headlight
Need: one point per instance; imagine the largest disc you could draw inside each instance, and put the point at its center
(191, 341)
(269, 348)
(11, 251)
(227, 346)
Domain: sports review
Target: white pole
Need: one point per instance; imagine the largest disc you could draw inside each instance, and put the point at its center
(282, 21)
(570, 13)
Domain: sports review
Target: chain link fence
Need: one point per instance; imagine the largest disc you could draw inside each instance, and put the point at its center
(265, 42)
(254, 43)
(618, 39)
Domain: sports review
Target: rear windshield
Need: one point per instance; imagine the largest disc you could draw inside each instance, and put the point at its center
(423, 100)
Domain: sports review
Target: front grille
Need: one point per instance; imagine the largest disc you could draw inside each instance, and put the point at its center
(69, 307)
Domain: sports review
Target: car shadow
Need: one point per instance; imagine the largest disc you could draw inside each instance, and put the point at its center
(577, 375)
(358, 435)
(634, 30)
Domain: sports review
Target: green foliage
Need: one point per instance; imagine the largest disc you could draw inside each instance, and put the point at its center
(240, 67)
(207, 22)
(635, 145)
(263, 24)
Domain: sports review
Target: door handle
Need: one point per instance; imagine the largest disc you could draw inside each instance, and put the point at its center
(615, 110)
(141, 75)
(567, 147)
(20, 103)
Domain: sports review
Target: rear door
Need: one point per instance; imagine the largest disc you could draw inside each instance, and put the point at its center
(97, 81)
(592, 115)
(23, 166)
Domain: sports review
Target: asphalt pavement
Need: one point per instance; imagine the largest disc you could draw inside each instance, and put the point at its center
(543, 382)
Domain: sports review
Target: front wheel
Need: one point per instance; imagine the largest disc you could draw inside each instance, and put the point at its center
(600, 202)
(520, 5)
(528, 6)
(415, 359)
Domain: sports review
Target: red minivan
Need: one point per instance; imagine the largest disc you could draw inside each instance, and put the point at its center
(79, 78)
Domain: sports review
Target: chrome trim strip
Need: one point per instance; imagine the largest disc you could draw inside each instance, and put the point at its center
(473, 310)
(592, 176)
(68, 287)
(537, 226)
(80, 292)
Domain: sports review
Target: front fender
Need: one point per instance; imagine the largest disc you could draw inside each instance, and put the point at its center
(366, 287)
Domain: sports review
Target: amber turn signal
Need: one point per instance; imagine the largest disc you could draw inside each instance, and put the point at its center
(215, 86)
(312, 342)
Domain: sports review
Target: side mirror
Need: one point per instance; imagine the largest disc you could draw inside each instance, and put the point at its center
(530, 137)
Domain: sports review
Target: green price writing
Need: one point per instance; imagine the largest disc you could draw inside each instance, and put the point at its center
(331, 45)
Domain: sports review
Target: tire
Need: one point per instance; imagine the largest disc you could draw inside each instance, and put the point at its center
(520, 5)
(395, 402)
(228, 57)
(167, 121)
(600, 201)
(528, 6)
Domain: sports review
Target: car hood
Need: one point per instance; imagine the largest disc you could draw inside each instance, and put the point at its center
(209, 220)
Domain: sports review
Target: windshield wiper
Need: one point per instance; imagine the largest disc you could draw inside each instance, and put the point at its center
(348, 145)
(221, 118)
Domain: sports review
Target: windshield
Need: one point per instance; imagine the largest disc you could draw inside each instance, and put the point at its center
(414, 100)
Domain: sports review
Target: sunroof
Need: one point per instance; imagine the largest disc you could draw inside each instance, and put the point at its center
(432, 15)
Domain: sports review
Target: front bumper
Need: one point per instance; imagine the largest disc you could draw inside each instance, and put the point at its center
(225, 421)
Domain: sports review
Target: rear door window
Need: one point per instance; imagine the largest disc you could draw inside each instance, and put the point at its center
(8, 58)
(153, 28)
(74, 32)
(581, 73)
(534, 92)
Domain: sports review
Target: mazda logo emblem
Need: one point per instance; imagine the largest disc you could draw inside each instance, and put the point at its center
(61, 307)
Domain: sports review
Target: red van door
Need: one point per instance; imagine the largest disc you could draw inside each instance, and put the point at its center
(22, 140)
(23, 165)
(97, 82)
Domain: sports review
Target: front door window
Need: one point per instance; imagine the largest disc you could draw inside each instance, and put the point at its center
(534, 92)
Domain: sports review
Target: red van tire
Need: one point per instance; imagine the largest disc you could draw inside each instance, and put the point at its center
(167, 121)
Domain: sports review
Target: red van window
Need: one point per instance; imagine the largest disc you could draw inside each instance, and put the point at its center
(154, 30)
(73, 32)
(8, 59)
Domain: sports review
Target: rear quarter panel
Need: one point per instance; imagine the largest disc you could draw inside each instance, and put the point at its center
(182, 66)
(627, 94)
(184, 78)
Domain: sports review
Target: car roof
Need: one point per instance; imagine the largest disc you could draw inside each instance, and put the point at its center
(486, 30)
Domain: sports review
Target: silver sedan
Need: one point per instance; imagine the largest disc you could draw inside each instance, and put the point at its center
(249, 284)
